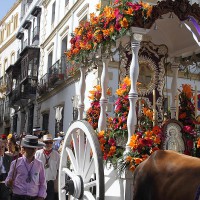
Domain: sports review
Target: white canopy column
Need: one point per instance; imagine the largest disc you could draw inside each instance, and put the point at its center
(136, 39)
(174, 99)
(104, 86)
(81, 92)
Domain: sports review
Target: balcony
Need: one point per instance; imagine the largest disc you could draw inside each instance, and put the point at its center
(36, 32)
(42, 87)
(36, 11)
(21, 94)
(29, 64)
(56, 74)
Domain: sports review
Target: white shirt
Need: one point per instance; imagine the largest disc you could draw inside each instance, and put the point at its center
(51, 172)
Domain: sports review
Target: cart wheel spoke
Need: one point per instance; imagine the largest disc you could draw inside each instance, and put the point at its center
(90, 184)
(88, 195)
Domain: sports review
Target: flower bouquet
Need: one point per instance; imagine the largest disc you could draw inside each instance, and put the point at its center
(142, 144)
(187, 117)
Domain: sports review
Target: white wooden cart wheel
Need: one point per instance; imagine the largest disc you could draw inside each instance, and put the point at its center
(81, 172)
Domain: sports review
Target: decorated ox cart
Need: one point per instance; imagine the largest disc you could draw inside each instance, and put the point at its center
(146, 39)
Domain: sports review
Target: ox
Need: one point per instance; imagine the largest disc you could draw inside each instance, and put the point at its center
(167, 175)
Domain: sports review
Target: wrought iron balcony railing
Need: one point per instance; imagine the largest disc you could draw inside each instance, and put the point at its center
(42, 87)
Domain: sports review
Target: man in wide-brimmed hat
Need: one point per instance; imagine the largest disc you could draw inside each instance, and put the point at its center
(27, 176)
(50, 159)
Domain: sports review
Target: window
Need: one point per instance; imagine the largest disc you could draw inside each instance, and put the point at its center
(53, 12)
(64, 45)
(5, 64)
(45, 121)
(83, 19)
(15, 21)
(63, 49)
(13, 58)
(50, 61)
(2, 35)
(8, 29)
(66, 3)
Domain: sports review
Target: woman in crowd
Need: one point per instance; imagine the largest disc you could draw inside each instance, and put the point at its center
(13, 150)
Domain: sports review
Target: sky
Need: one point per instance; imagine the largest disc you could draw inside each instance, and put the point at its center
(5, 6)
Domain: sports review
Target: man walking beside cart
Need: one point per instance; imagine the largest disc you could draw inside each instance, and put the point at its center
(26, 176)
(50, 159)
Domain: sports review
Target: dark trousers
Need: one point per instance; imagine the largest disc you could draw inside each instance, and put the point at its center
(22, 197)
(50, 190)
(4, 190)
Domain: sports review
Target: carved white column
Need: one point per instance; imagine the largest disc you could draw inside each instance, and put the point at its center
(81, 92)
(174, 90)
(134, 72)
(104, 86)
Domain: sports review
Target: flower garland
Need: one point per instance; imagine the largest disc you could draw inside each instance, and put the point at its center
(187, 117)
(112, 22)
(92, 114)
(107, 145)
(119, 124)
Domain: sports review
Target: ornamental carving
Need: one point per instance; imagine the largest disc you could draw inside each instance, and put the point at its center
(181, 8)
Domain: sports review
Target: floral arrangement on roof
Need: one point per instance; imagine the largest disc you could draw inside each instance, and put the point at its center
(187, 117)
(113, 21)
(92, 114)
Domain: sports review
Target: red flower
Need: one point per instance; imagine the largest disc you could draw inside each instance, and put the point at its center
(187, 129)
(189, 144)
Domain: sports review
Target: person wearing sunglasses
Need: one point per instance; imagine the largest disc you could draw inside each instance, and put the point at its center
(50, 158)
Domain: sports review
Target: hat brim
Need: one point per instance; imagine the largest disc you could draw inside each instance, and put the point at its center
(57, 139)
(40, 144)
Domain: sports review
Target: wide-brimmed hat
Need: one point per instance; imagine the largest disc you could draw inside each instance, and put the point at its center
(31, 141)
(36, 129)
(47, 137)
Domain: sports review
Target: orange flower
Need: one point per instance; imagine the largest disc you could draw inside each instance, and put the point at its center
(127, 81)
(156, 130)
(124, 23)
(187, 90)
(98, 6)
(129, 11)
(132, 168)
(137, 160)
(198, 143)
(101, 134)
(128, 159)
(106, 32)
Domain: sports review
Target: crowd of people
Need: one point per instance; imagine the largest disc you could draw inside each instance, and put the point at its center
(29, 167)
